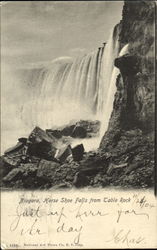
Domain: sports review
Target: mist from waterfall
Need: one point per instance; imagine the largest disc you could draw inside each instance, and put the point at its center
(64, 91)
(68, 90)
(72, 90)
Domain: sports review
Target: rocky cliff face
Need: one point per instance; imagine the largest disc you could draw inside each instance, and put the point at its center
(132, 120)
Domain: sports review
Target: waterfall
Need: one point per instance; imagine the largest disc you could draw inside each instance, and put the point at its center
(72, 90)
(67, 90)
(110, 53)
(64, 91)
(108, 104)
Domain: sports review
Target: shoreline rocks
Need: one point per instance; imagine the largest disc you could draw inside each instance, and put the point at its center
(45, 158)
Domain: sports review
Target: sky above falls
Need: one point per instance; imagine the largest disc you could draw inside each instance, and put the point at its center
(40, 31)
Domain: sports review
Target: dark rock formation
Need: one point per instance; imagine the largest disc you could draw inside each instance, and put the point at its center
(67, 131)
(5, 168)
(41, 144)
(79, 132)
(128, 65)
(23, 140)
(130, 135)
(91, 127)
(12, 160)
(56, 133)
(13, 175)
(81, 180)
(77, 152)
(14, 149)
(63, 153)
(14, 156)
(31, 165)
(38, 135)
(80, 129)
(46, 170)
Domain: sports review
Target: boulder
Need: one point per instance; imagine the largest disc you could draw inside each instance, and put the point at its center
(63, 153)
(38, 135)
(42, 149)
(67, 131)
(25, 174)
(4, 168)
(128, 64)
(77, 152)
(41, 144)
(80, 180)
(56, 133)
(13, 157)
(80, 129)
(23, 140)
(12, 160)
(14, 149)
(90, 126)
(79, 132)
(13, 175)
(46, 170)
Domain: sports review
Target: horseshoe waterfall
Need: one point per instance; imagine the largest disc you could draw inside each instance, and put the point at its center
(67, 90)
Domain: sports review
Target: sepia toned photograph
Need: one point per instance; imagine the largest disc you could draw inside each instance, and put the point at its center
(77, 119)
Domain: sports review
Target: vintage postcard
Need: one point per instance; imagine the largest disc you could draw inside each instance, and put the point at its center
(77, 164)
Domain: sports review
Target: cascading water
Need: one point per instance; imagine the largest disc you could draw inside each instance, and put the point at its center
(68, 90)
(110, 53)
(108, 104)
(83, 89)
(65, 91)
